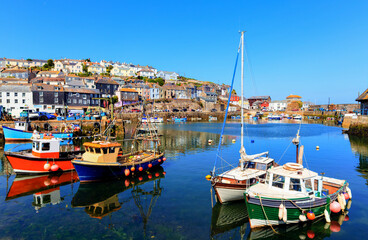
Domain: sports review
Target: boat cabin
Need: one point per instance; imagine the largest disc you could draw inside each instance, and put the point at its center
(21, 125)
(42, 199)
(258, 162)
(101, 152)
(104, 208)
(47, 147)
(292, 178)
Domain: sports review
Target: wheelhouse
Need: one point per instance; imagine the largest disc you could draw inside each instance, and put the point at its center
(20, 125)
(101, 152)
(46, 148)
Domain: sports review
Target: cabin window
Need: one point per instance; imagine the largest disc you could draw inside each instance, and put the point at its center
(308, 185)
(112, 149)
(250, 165)
(295, 185)
(34, 145)
(98, 150)
(278, 181)
(37, 146)
(45, 146)
(261, 166)
(87, 149)
(104, 150)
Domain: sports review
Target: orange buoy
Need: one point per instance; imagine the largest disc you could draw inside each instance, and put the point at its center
(150, 165)
(335, 207)
(157, 174)
(310, 215)
(149, 176)
(47, 182)
(127, 182)
(47, 166)
(346, 218)
(311, 234)
(164, 159)
(346, 195)
(159, 160)
(335, 226)
(140, 169)
(164, 173)
(54, 179)
(54, 167)
(126, 172)
(132, 169)
(140, 178)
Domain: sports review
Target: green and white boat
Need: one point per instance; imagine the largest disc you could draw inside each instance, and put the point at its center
(293, 194)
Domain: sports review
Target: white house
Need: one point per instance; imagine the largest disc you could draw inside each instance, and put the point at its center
(146, 73)
(68, 67)
(154, 92)
(168, 75)
(89, 82)
(21, 63)
(122, 71)
(278, 105)
(52, 74)
(16, 98)
(96, 69)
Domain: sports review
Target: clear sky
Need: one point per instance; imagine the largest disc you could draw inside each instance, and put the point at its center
(316, 49)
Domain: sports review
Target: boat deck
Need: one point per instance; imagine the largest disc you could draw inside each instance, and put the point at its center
(241, 175)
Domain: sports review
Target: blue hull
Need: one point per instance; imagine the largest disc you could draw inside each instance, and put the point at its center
(96, 172)
(11, 134)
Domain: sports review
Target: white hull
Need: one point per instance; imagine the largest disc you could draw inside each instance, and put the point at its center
(229, 194)
(256, 223)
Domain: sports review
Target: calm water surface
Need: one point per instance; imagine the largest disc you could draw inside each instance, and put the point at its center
(175, 202)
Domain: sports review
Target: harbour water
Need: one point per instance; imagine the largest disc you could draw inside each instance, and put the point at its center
(175, 202)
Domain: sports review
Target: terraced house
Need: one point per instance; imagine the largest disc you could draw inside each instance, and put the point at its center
(16, 97)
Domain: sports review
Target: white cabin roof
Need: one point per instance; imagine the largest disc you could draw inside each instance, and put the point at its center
(265, 160)
(301, 174)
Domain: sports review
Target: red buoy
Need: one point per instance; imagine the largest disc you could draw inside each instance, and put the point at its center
(159, 160)
(126, 172)
(346, 195)
(157, 174)
(164, 159)
(140, 169)
(335, 207)
(47, 166)
(140, 178)
(54, 179)
(164, 173)
(311, 234)
(149, 176)
(127, 182)
(54, 167)
(335, 226)
(310, 215)
(150, 165)
(346, 218)
(132, 169)
(47, 182)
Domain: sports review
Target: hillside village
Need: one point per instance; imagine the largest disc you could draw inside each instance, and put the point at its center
(60, 85)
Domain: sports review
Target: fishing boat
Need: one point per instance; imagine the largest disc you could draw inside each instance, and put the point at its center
(101, 161)
(230, 185)
(177, 119)
(21, 132)
(44, 157)
(293, 194)
(297, 117)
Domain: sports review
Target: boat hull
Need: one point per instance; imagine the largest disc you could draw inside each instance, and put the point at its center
(33, 165)
(11, 134)
(228, 193)
(264, 212)
(90, 172)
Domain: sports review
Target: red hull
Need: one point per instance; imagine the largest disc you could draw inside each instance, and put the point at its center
(28, 185)
(29, 165)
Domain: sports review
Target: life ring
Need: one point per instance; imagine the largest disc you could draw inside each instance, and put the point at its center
(293, 166)
(96, 130)
(96, 125)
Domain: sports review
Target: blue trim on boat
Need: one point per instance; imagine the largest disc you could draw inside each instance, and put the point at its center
(20, 135)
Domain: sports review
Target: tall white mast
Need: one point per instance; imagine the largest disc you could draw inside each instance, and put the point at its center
(242, 90)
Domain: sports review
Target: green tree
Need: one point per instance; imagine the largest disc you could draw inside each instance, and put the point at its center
(29, 60)
(233, 92)
(160, 81)
(45, 66)
(87, 60)
(50, 63)
(114, 99)
(108, 69)
(85, 68)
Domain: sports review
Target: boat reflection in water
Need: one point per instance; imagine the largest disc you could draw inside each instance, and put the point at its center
(100, 199)
(318, 229)
(45, 188)
(227, 218)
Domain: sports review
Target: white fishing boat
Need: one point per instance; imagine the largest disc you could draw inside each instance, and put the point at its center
(230, 185)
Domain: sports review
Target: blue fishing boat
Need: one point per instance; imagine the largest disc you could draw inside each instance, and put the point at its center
(101, 161)
(20, 133)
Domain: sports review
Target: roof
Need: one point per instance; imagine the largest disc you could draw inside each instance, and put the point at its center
(47, 88)
(13, 80)
(82, 90)
(363, 96)
(15, 88)
(293, 96)
(14, 70)
(47, 79)
(49, 72)
(167, 72)
(259, 97)
(128, 90)
(106, 81)
(98, 144)
(305, 173)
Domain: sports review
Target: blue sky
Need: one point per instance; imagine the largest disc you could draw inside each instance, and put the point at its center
(316, 49)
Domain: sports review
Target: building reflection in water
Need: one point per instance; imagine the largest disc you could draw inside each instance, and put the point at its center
(359, 146)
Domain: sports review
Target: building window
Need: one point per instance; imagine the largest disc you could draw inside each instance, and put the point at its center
(41, 93)
(23, 94)
(69, 100)
(84, 96)
(56, 100)
(15, 94)
(56, 94)
(7, 100)
(23, 101)
(84, 102)
(77, 94)
(74, 100)
(15, 100)
(93, 101)
(41, 99)
(8, 94)
(80, 101)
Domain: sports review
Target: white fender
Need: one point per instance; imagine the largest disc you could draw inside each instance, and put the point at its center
(348, 205)
(281, 211)
(302, 217)
(349, 192)
(284, 217)
(340, 202)
(327, 216)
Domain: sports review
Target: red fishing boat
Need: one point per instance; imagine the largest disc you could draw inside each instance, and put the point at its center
(45, 157)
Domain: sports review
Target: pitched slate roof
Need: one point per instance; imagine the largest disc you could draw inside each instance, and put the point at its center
(363, 96)
(106, 81)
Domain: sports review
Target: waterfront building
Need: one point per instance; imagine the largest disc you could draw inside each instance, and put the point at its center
(173, 76)
(89, 82)
(259, 100)
(75, 84)
(293, 97)
(128, 96)
(72, 77)
(174, 92)
(49, 80)
(107, 87)
(363, 100)
(142, 89)
(81, 98)
(278, 105)
(15, 73)
(15, 98)
(48, 98)
(122, 71)
(191, 91)
(154, 91)
(68, 66)
(50, 74)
